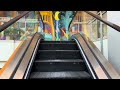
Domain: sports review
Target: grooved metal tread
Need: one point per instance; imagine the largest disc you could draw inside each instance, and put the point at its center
(60, 75)
(71, 43)
(59, 60)
(57, 41)
(58, 54)
(59, 50)
(58, 46)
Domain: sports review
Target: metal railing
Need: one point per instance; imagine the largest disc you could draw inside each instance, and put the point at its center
(10, 22)
(116, 27)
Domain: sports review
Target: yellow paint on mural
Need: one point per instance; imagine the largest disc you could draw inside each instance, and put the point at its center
(56, 15)
(36, 28)
(65, 34)
(50, 21)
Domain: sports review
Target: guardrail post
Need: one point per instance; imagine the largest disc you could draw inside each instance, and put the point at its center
(101, 34)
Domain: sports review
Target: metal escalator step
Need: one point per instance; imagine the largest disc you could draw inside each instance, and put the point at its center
(57, 42)
(59, 54)
(54, 65)
(58, 46)
(60, 75)
(59, 60)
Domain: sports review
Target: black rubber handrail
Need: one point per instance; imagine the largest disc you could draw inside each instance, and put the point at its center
(116, 27)
(7, 24)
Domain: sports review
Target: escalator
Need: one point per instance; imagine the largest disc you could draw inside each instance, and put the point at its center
(73, 59)
(77, 58)
(60, 60)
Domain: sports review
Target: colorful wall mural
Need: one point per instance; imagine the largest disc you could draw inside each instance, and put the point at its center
(54, 25)
(57, 23)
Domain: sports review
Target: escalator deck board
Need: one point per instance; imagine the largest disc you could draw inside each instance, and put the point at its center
(60, 75)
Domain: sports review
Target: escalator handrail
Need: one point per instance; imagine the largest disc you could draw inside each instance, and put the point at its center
(116, 27)
(89, 58)
(11, 68)
(103, 62)
(28, 58)
(10, 22)
(98, 59)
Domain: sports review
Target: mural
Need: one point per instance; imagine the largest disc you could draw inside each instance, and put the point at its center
(54, 25)
(62, 25)
(58, 23)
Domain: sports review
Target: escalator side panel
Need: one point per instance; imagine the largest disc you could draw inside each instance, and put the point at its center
(107, 67)
(26, 59)
(10, 70)
(90, 59)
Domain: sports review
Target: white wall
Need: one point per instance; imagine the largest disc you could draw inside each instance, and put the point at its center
(114, 40)
(105, 47)
(7, 47)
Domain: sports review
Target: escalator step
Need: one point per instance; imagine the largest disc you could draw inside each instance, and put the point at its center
(58, 46)
(60, 75)
(57, 42)
(59, 60)
(58, 54)
(58, 66)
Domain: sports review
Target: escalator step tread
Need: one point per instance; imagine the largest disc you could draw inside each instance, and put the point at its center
(60, 75)
(58, 46)
(59, 50)
(56, 66)
(58, 54)
(71, 43)
(57, 41)
(59, 60)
